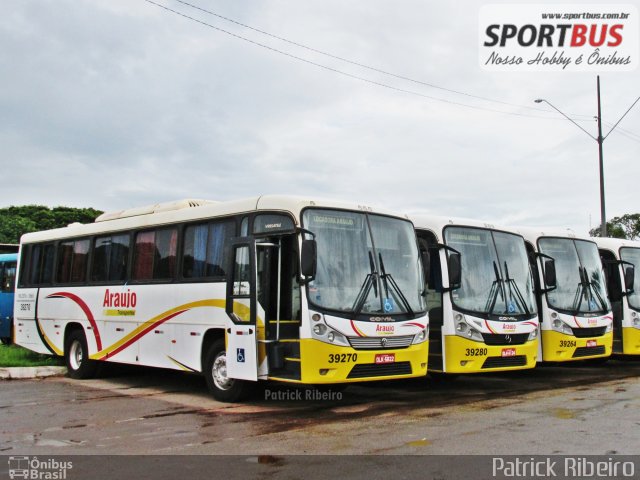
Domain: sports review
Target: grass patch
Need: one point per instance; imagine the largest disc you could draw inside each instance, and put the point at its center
(15, 356)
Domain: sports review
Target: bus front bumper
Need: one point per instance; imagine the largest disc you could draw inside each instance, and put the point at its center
(466, 356)
(558, 347)
(323, 363)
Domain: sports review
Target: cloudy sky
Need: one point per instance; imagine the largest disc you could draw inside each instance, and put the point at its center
(119, 103)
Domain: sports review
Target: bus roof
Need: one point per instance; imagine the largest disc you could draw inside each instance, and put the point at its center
(190, 210)
(436, 224)
(614, 244)
(532, 234)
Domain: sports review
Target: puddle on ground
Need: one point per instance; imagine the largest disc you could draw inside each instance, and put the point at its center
(423, 442)
(563, 413)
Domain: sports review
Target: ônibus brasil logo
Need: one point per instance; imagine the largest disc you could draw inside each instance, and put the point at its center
(33, 468)
(554, 37)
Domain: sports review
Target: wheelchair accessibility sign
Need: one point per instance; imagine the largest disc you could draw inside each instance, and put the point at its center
(240, 357)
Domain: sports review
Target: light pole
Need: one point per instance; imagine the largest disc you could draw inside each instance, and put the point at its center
(600, 141)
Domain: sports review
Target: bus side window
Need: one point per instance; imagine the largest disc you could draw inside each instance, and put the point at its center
(72, 261)
(110, 258)
(204, 247)
(155, 255)
(41, 264)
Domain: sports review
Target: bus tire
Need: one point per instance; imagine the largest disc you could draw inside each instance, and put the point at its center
(220, 386)
(76, 356)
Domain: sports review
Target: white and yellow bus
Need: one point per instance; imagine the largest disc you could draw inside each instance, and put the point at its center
(268, 288)
(621, 263)
(575, 314)
(482, 313)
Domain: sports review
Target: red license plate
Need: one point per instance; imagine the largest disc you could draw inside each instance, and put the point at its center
(385, 358)
(592, 343)
(508, 352)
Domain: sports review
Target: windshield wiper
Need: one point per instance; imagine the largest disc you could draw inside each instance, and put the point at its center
(586, 291)
(388, 280)
(513, 288)
(496, 287)
(370, 281)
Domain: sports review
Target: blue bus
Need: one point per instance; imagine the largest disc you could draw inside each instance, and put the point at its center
(8, 276)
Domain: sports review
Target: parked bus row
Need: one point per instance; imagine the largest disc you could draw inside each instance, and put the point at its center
(319, 292)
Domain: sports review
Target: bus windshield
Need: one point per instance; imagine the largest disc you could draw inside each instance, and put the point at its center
(495, 272)
(367, 264)
(579, 276)
(632, 255)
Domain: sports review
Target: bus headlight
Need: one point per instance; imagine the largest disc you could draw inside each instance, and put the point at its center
(636, 322)
(533, 335)
(319, 329)
(322, 332)
(464, 330)
(559, 326)
(421, 336)
(475, 335)
(609, 328)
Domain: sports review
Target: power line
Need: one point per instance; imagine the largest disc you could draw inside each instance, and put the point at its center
(341, 72)
(359, 64)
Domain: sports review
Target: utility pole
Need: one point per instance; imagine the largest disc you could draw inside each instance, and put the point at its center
(600, 140)
(603, 216)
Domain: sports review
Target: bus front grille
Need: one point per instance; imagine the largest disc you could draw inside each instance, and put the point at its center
(502, 339)
(588, 351)
(502, 362)
(375, 343)
(588, 332)
(380, 370)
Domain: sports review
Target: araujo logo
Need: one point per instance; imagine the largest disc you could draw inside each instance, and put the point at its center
(554, 37)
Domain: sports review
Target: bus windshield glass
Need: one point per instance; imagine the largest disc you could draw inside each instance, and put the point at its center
(580, 285)
(367, 264)
(632, 255)
(495, 273)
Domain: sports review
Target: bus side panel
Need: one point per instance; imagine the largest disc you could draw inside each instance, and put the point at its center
(26, 329)
(154, 325)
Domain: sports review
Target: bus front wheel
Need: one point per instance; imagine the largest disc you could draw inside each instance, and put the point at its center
(222, 387)
(76, 356)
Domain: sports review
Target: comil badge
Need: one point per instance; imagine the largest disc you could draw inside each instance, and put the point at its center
(557, 37)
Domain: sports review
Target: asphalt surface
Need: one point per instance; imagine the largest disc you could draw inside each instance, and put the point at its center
(573, 410)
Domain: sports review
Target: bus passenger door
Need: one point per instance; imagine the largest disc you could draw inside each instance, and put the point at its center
(242, 362)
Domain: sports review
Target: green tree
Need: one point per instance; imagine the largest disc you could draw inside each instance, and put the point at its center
(15, 221)
(627, 226)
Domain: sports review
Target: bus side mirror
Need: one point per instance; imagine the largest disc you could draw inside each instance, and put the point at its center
(309, 259)
(550, 273)
(629, 276)
(454, 263)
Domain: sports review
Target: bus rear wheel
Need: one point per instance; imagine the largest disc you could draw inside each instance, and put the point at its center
(76, 355)
(222, 387)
